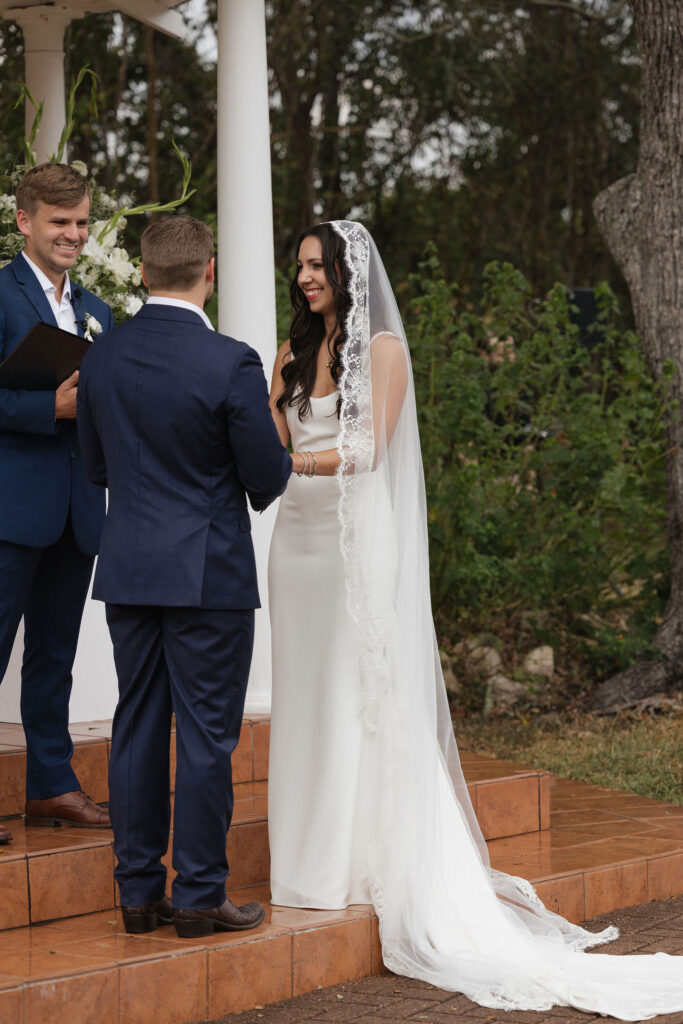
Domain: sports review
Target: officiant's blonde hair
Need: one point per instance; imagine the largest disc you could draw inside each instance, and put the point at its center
(175, 252)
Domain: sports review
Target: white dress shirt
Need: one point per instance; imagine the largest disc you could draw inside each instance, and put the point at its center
(64, 310)
(163, 300)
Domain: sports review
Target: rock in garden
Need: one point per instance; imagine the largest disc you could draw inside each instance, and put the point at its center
(540, 662)
(505, 691)
(484, 662)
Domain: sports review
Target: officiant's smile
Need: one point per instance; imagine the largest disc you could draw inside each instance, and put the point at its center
(55, 235)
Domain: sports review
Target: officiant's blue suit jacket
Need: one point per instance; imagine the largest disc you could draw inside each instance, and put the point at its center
(42, 478)
(173, 418)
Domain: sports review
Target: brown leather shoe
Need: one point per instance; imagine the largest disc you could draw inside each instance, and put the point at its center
(5, 834)
(190, 924)
(75, 809)
(146, 917)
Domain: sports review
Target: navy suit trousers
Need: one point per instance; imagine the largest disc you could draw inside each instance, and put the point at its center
(48, 586)
(194, 662)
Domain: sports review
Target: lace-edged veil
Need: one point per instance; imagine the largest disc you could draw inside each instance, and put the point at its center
(445, 915)
(383, 518)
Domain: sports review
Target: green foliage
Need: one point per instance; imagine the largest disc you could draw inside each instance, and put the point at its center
(544, 466)
(488, 127)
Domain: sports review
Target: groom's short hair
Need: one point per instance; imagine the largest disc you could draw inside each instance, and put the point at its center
(54, 184)
(175, 252)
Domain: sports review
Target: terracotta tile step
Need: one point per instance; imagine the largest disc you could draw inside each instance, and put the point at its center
(581, 868)
(91, 759)
(88, 962)
(604, 849)
(87, 968)
(509, 799)
(62, 872)
(50, 873)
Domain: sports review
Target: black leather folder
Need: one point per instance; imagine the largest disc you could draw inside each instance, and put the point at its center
(44, 358)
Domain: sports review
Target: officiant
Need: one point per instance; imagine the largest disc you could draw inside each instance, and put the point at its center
(50, 515)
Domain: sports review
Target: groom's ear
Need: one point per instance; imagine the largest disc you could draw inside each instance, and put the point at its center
(144, 276)
(211, 270)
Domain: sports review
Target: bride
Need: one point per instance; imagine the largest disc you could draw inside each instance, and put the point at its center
(367, 801)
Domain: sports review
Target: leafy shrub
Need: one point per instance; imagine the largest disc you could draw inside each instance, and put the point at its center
(544, 466)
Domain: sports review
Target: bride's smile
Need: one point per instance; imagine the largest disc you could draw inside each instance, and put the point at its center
(312, 278)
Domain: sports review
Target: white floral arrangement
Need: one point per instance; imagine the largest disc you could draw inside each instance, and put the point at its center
(104, 266)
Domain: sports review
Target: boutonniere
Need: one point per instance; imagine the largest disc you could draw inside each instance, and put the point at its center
(91, 327)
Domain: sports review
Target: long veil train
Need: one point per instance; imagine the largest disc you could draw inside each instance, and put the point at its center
(445, 915)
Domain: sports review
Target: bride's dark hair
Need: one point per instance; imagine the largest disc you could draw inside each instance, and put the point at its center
(308, 329)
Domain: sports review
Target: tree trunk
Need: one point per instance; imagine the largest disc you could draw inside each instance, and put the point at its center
(641, 218)
(152, 117)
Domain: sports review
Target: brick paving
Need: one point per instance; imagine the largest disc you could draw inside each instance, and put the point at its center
(652, 927)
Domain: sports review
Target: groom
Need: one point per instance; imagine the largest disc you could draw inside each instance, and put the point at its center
(173, 418)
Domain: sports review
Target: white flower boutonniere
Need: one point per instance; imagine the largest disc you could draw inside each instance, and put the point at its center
(91, 326)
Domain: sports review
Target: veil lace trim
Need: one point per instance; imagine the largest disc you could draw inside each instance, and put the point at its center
(356, 448)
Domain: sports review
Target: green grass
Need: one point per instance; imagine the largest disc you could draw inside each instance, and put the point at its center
(642, 755)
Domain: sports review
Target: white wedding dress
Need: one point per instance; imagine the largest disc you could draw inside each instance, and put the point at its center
(315, 794)
(366, 797)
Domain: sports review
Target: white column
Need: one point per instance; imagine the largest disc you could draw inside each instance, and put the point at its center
(43, 28)
(246, 288)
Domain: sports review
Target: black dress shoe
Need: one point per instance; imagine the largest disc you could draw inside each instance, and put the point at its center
(146, 917)
(190, 924)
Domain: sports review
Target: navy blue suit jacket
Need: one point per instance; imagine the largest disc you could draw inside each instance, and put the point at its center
(42, 477)
(174, 419)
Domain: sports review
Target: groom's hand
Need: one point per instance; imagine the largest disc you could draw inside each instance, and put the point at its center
(65, 398)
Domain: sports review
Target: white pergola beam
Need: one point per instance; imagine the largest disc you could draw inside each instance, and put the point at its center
(154, 14)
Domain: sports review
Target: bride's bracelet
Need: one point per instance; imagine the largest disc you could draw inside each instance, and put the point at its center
(309, 464)
(304, 466)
